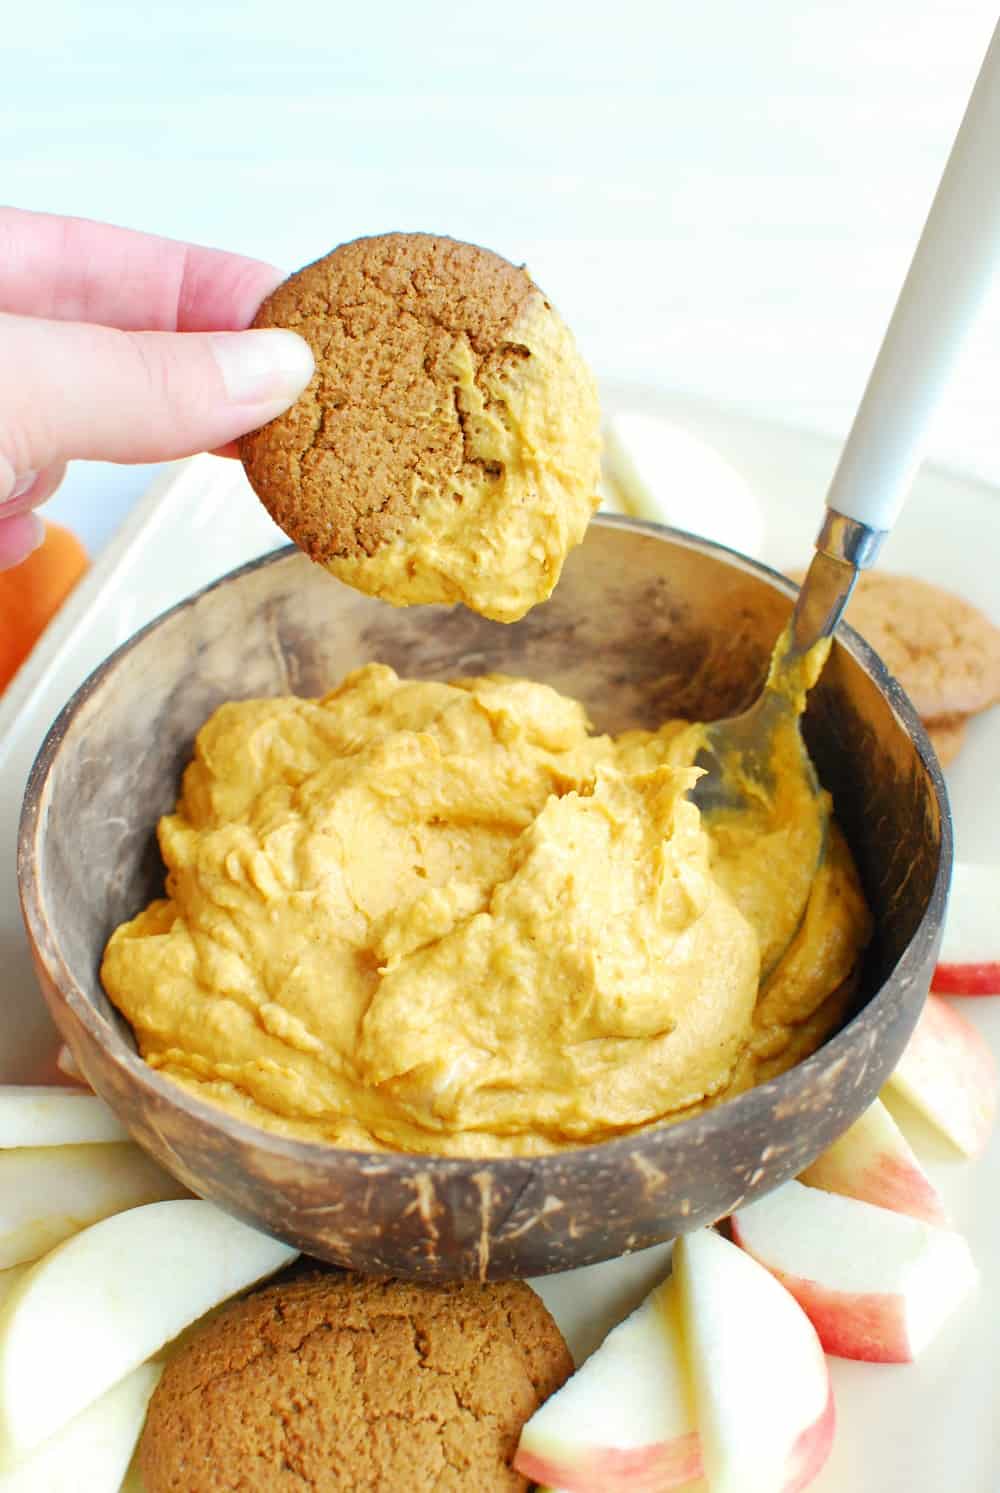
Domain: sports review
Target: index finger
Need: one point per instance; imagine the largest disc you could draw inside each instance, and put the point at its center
(72, 269)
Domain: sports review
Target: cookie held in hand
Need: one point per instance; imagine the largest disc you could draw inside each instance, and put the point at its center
(448, 446)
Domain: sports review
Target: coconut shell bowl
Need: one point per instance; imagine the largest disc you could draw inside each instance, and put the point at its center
(646, 623)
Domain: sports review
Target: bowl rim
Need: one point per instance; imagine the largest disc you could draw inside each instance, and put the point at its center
(715, 1120)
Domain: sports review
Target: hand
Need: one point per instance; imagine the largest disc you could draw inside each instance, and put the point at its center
(119, 346)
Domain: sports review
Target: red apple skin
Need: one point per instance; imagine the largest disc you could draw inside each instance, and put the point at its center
(641, 1469)
(887, 1181)
(859, 1325)
(810, 1452)
(863, 1326)
(894, 1186)
(947, 1041)
(981, 978)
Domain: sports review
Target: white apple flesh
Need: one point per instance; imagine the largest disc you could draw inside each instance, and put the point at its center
(49, 1193)
(876, 1285)
(969, 962)
(624, 1423)
(667, 473)
(763, 1397)
(873, 1162)
(66, 1063)
(105, 1301)
(92, 1452)
(36, 1115)
(949, 1074)
(9, 1279)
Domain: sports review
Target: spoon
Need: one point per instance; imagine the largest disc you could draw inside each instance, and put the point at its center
(947, 281)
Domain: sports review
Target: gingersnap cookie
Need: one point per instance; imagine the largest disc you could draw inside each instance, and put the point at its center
(330, 1381)
(948, 736)
(944, 651)
(448, 446)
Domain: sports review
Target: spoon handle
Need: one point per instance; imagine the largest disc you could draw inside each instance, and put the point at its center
(945, 287)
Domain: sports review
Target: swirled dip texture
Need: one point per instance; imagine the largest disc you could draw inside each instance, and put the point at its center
(448, 446)
(448, 918)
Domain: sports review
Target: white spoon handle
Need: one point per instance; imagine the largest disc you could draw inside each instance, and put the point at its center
(946, 284)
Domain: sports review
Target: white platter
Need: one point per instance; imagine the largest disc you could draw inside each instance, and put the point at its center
(923, 1428)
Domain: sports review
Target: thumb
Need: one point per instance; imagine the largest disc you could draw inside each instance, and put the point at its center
(70, 389)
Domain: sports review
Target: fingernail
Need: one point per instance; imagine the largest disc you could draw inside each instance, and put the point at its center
(20, 536)
(263, 367)
(23, 485)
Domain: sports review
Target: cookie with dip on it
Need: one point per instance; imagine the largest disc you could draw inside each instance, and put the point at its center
(448, 446)
(342, 1383)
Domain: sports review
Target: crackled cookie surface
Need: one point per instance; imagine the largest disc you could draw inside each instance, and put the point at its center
(341, 1383)
(448, 446)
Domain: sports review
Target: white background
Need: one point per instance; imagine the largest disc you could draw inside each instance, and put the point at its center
(722, 197)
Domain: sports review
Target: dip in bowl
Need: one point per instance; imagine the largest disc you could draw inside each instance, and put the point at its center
(645, 625)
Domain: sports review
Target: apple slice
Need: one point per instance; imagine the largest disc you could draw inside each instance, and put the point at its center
(9, 1279)
(624, 1423)
(698, 1486)
(948, 1073)
(93, 1451)
(762, 1388)
(667, 473)
(969, 962)
(611, 498)
(33, 1115)
(49, 1193)
(66, 1063)
(106, 1300)
(876, 1285)
(873, 1162)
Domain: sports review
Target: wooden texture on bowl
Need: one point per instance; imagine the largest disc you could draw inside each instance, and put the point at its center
(645, 624)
